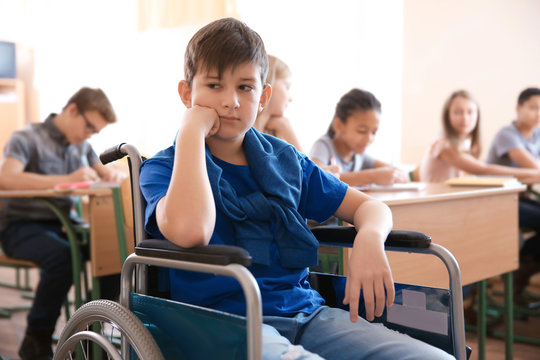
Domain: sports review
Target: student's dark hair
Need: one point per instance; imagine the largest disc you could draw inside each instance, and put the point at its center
(353, 101)
(222, 44)
(527, 94)
(449, 131)
(88, 99)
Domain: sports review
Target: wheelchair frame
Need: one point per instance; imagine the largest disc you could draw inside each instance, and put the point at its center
(232, 261)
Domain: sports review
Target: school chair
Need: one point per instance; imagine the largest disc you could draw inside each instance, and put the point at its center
(156, 328)
(21, 267)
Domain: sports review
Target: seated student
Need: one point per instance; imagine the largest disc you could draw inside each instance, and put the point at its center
(342, 150)
(40, 157)
(458, 149)
(518, 145)
(223, 182)
(272, 119)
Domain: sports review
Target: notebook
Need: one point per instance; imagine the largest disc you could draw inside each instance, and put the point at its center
(494, 181)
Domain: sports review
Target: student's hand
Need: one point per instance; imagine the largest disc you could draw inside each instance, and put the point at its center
(84, 173)
(389, 176)
(114, 176)
(283, 129)
(332, 169)
(369, 272)
(205, 117)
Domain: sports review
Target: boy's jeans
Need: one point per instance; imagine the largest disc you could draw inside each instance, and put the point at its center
(329, 333)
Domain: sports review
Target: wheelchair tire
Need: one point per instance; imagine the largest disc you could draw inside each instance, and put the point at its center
(77, 334)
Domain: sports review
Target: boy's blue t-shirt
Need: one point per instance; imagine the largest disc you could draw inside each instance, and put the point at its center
(284, 292)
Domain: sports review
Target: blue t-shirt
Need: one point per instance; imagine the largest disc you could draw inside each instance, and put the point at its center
(509, 138)
(284, 292)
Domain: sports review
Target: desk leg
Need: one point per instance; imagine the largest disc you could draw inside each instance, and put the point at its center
(508, 315)
(481, 319)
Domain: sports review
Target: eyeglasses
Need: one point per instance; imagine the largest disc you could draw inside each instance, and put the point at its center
(89, 127)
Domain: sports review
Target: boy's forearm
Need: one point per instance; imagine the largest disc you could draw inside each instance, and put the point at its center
(374, 219)
(186, 215)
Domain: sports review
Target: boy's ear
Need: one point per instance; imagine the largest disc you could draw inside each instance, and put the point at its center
(71, 109)
(185, 93)
(265, 96)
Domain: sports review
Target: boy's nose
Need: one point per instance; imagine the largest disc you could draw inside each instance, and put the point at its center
(230, 100)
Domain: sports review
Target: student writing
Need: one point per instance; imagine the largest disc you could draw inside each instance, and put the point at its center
(342, 150)
(39, 157)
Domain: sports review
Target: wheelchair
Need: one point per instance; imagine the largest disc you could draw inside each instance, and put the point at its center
(145, 326)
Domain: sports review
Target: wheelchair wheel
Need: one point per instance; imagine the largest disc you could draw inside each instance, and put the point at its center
(113, 322)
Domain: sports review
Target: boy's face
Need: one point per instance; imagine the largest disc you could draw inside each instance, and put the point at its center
(529, 112)
(238, 96)
(83, 124)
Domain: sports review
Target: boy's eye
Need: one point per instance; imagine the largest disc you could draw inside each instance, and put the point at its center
(246, 87)
(213, 86)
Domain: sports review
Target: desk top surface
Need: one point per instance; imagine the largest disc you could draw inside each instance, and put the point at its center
(441, 192)
(53, 193)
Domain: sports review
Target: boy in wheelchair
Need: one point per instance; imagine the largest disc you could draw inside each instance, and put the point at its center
(222, 182)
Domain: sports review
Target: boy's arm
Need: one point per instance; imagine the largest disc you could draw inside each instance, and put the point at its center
(472, 165)
(13, 176)
(369, 269)
(186, 215)
(523, 158)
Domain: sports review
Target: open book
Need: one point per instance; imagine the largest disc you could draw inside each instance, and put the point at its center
(495, 181)
(410, 186)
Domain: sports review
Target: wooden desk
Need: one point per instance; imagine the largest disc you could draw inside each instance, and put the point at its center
(104, 247)
(478, 225)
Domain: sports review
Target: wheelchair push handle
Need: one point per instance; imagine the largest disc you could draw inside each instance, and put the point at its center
(112, 154)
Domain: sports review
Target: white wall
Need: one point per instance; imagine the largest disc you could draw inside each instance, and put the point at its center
(330, 47)
(489, 47)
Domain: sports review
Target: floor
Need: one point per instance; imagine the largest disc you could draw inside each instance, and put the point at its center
(12, 329)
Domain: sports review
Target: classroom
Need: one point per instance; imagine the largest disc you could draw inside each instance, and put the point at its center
(410, 54)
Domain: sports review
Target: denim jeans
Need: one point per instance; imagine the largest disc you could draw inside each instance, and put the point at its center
(328, 333)
(44, 243)
(529, 217)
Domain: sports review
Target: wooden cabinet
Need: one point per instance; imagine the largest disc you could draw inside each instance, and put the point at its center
(12, 109)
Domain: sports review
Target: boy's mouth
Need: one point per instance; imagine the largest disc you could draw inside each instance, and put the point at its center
(228, 118)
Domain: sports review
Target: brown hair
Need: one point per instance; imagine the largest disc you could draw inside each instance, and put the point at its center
(222, 44)
(88, 99)
(449, 131)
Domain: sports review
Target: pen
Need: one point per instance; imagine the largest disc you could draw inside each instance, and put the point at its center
(84, 160)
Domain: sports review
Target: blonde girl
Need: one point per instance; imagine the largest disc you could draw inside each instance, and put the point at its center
(272, 119)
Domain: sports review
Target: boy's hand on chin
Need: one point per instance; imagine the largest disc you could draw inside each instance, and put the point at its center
(203, 116)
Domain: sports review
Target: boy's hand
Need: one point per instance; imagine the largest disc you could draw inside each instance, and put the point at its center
(84, 173)
(370, 272)
(203, 116)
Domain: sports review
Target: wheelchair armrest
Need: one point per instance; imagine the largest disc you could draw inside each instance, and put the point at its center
(211, 254)
(344, 236)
